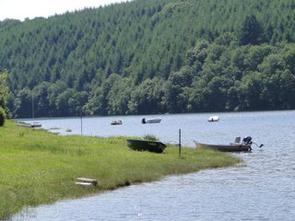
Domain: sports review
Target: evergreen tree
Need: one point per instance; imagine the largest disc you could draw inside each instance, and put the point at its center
(251, 31)
(3, 89)
(3, 97)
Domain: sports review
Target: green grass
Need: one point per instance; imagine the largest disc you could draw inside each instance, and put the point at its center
(37, 167)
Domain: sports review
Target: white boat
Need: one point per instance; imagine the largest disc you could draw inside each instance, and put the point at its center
(33, 124)
(116, 122)
(29, 125)
(36, 124)
(214, 118)
(151, 121)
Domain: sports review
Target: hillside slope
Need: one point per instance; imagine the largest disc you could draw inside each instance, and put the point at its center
(153, 56)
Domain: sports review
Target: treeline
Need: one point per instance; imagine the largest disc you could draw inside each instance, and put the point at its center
(153, 56)
(218, 76)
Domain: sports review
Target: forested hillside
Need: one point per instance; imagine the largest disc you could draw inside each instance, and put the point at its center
(153, 56)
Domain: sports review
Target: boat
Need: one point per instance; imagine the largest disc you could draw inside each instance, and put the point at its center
(34, 123)
(116, 122)
(237, 146)
(29, 125)
(146, 145)
(214, 118)
(225, 148)
(151, 121)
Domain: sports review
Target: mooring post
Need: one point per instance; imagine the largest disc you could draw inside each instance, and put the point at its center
(179, 143)
(81, 124)
(33, 108)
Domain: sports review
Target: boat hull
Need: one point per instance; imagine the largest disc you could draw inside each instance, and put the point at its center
(151, 121)
(29, 125)
(144, 145)
(118, 122)
(213, 119)
(225, 148)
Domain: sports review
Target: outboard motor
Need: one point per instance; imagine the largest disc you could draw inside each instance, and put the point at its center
(143, 121)
(247, 140)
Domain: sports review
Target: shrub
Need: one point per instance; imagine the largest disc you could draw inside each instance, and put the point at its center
(2, 116)
(150, 137)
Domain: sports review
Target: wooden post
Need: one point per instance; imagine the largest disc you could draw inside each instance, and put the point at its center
(33, 108)
(179, 143)
(81, 124)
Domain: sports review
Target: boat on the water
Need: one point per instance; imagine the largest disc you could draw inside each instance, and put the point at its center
(146, 145)
(33, 124)
(236, 146)
(213, 118)
(225, 147)
(36, 124)
(116, 122)
(29, 125)
(151, 121)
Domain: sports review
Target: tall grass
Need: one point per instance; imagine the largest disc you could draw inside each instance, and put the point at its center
(38, 167)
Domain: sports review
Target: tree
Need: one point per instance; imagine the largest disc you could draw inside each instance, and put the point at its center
(3, 89)
(40, 98)
(251, 31)
(176, 90)
(147, 97)
(289, 56)
(251, 88)
(2, 116)
(3, 97)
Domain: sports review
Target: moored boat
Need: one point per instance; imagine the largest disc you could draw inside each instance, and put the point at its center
(151, 121)
(116, 122)
(225, 147)
(146, 145)
(29, 125)
(237, 146)
(213, 118)
(36, 124)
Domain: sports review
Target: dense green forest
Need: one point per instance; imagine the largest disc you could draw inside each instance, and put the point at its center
(155, 56)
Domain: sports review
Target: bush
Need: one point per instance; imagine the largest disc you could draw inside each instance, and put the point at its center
(2, 116)
(150, 137)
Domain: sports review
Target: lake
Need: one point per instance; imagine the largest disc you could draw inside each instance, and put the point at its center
(262, 188)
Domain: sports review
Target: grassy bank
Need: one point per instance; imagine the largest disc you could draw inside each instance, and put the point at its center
(38, 167)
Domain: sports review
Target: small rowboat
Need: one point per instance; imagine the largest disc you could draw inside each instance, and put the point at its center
(29, 125)
(116, 122)
(236, 146)
(225, 148)
(146, 145)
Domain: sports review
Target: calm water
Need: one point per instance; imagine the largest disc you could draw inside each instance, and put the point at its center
(264, 189)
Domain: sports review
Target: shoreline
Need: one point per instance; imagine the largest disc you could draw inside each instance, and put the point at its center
(158, 114)
(41, 167)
